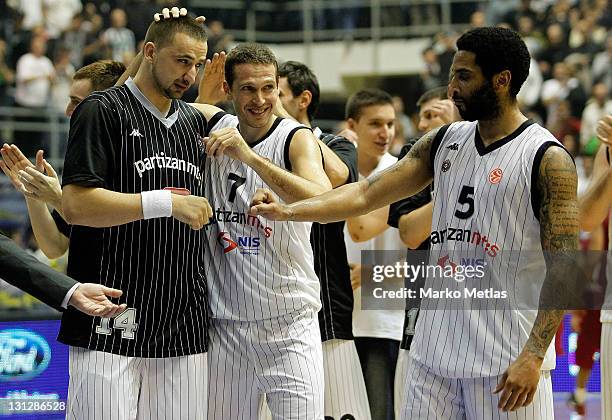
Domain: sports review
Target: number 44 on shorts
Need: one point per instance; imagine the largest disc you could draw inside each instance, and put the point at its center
(125, 321)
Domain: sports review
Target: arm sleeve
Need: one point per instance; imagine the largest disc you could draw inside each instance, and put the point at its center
(409, 204)
(346, 151)
(20, 269)
(61, 224)
(90, 153)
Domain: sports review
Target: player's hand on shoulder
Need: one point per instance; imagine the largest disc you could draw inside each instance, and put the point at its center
(93, 299)
(604, 130)
(264, 203)
(175, 12)
(519, 382)
(349, 134)
(192, 210)
(228, 141)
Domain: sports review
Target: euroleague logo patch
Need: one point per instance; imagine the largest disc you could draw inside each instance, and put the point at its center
(495, 176)
(445, 165)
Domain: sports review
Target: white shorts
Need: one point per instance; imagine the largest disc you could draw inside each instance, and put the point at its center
(432, 397)
(606, 370)
(345, 391)
(280, 357)
(399, 386)
(105, 386)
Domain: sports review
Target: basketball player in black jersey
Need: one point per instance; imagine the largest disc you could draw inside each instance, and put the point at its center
(129, 148)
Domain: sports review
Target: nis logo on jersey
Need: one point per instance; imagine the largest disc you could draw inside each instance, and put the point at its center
(162, 161)
(247, 245)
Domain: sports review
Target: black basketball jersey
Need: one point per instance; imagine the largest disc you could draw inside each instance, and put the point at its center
(396, 211)
(330, 261)
(121, 142)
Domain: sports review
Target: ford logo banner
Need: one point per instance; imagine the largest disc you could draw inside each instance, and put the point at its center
(23, 355)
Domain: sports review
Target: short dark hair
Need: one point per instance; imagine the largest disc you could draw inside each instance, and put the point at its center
(162, 33)
(498, 49)
(248, 53)
(301, 78)
(435, 93)
(102, 74)
(365, 98)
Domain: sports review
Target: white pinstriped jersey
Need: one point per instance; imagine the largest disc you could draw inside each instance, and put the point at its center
(483, 208)
(259, 269)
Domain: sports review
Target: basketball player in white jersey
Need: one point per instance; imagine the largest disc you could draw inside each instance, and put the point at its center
(264, 292)
(595, 205)
(507, 184)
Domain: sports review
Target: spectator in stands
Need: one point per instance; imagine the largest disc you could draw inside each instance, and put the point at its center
(556, 49)
(119, 39)
(529, 94)
(32, 11)
(58, 15)
(478, 19)
(602, 64)
(218, 40)
(432, 75)
(35, 73)
(514, 15)
(64, 70)
(75, 38)
(598, 106)
(532, 37)
(580, 37)
(562, 87)
(7, 76)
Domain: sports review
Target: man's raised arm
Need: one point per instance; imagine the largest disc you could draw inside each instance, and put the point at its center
(407, 177)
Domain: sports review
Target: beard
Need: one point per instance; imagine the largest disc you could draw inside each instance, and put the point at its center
(481, 105)
(168, 93)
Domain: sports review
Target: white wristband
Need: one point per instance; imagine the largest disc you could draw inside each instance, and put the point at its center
(156, 203)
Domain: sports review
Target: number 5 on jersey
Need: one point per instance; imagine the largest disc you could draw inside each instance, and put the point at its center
(125, 321)
(466, 196)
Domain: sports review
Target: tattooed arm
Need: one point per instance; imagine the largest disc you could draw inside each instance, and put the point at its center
(407, 177)
(558, 215)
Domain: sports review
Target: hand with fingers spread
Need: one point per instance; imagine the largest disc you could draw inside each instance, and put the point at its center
(12, 162)
(264, 203)
(192, 210)
(519, 382)
(29, 179)
(211, 89)
(228, 141)
(93, 299)
(173, 13)
(604, 130)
